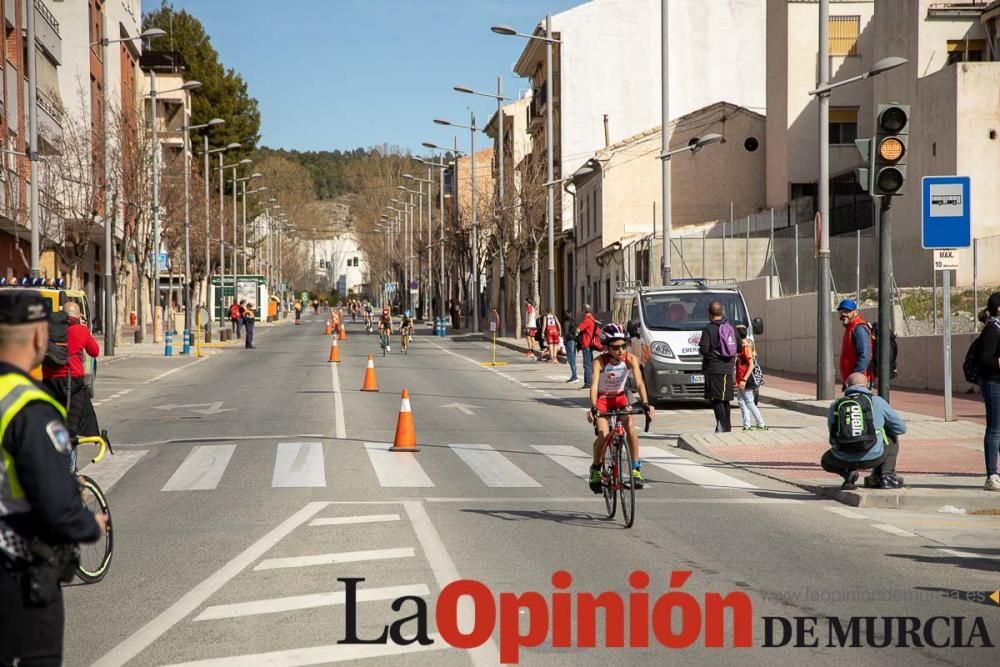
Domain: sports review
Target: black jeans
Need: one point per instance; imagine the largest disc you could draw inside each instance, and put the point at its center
(882, 466)
(80, 416)
(32, 633)
(723, 416)
(249, 331)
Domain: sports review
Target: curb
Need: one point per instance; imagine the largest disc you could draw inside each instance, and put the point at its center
(970, 500)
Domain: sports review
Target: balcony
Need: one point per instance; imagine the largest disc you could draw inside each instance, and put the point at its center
(49, 127)
(47, 31)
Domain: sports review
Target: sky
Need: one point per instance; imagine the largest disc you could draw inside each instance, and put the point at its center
(343, 74)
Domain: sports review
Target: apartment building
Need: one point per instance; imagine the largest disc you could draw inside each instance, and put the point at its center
(15, 172)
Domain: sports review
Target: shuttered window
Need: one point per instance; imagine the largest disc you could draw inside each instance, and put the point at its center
(843, 37)
(843, 125)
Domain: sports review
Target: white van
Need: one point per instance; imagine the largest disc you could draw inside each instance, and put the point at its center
(665, 324)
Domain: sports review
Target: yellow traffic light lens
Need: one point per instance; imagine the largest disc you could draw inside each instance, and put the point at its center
(891, 149)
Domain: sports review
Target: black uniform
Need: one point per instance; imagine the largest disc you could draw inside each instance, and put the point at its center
(31, 606)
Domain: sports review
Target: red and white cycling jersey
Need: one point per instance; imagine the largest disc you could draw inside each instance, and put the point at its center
(614, 375)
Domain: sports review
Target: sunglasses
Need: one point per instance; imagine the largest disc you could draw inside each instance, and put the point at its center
(617, 347)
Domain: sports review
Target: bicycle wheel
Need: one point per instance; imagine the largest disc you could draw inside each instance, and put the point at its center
(95, 558)
(608, 481)
(625, 487)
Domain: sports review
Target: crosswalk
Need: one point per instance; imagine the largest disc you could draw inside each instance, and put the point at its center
(302, 465)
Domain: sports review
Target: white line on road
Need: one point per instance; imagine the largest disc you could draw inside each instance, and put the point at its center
(696, 473)
(445, 572)
(338, 403)
(202, 469)
(330, 559)
(174, 370)
(493, 467)
(845, 512)
(112, 469)
(492, 500)
(892, 530)
(309, 601)
(350, 520)
(967, 554)
(573, 459)
(315, 655)
(396, 469)
(194, 598)
(299, 464)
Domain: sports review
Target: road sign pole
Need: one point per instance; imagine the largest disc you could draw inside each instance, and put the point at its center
(947, 346)
(884, 296)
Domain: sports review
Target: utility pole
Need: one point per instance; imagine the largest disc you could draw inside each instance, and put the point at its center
(665, 140)
(36, 238)
(824, 356)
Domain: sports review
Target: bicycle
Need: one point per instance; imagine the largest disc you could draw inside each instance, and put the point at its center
(616, 467)
(404, 340)
(383, 341)
(95, 558)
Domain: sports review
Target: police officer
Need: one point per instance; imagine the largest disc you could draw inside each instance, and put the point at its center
(41, 515)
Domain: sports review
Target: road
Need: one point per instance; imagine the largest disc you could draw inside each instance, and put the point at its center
(246, 483)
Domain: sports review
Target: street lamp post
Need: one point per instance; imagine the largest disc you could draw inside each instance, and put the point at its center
(242, 183)
(824, 344)
(549, 167)
(256, 266)
(208, 253)
(441, 169)
(109, 293)
(222, 232)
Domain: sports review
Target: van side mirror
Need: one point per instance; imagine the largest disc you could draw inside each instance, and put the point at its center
(758, 326)
(632, 328)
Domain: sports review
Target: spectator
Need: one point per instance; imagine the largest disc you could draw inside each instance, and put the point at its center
(530, 326)
(718, 365)
(248, 322)
(569, 339)
(988, 364)
(745, 362)
(456, 315)
(66, 382)
(864, 434)
(589, 333)
(553, 335)
(543, 351)
(856, 347)
(236, 317)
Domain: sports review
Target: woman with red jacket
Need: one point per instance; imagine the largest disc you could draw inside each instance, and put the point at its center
(66, 382)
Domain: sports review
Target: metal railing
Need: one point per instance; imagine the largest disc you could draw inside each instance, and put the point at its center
(46, 14)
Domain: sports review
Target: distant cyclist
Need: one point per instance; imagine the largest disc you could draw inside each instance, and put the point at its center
(405, 330)
(385, 329)
(608, 393)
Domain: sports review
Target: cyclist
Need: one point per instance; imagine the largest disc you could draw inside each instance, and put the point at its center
(385, 329)
(368, 316)
(405, 330)
(612, 371)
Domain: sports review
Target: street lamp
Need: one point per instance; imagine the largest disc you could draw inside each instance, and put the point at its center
(153, 92)
(262, 188)
(109, 293)
(222, 230)
(243, 187)
(208, 255)
(549, 129)
(824, 353)
(475, 225)
(430, 233)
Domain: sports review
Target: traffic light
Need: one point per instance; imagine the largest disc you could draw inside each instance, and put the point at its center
(349, 265)
(864, 174)
(892, 135)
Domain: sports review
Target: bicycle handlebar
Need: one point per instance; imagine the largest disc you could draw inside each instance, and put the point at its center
(100, 440)
(630, 411)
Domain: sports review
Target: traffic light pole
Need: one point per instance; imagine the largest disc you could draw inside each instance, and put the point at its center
(884, 296)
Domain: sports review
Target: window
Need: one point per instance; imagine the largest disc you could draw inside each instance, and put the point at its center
(966, 50)
(843, 35)
(843, 125)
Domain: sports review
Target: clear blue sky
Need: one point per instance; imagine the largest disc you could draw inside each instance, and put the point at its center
(344, 74)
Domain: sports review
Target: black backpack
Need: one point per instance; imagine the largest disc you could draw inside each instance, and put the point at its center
(893, 351)
(853, 430)
(970, 367)
(57, 354)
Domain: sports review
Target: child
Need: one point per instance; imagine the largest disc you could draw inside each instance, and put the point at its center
(745, 362)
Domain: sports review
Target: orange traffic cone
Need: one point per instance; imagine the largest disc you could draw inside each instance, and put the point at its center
(343, 333)
(334, 352)
(370, 383)
(327, 332)
(406, 436)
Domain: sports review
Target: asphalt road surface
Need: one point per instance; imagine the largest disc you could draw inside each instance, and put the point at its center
(247, 486)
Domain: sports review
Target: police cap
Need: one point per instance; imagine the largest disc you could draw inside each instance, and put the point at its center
(23, 307)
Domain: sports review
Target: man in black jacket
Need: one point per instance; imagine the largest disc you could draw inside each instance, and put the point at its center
(989, 386)
(718, 369)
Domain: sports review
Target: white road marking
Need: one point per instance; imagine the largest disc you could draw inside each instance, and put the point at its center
(174, 370)
(113, 468)
(845, 512)
(966, 554)
(299, 464)
(194, 598)
(202, 469)
(892, 530)
(696, 473)
(445, 572)
(309, 601)
(338, 403)
(330, 559)
(557, 378)
(315, 655)
(396, 469)
(573, 459)
(464, 408)
(349, 520)
(495, 469)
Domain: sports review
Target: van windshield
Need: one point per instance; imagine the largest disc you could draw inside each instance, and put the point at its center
(680, 311)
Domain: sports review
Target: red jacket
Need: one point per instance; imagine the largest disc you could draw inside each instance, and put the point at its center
(848, 354)
(588, 329)
(743, 360)
(78, 339)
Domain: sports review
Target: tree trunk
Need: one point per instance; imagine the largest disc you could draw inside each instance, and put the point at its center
(535, 288)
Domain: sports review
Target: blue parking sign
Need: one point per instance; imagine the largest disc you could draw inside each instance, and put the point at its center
(947, 222)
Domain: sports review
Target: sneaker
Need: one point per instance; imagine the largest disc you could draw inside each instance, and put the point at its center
(891, 482)
(596, 484)
(992, 483)
(747, 428)
(850, 481)
(760, 428)
(637, 481)
(872, 481)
